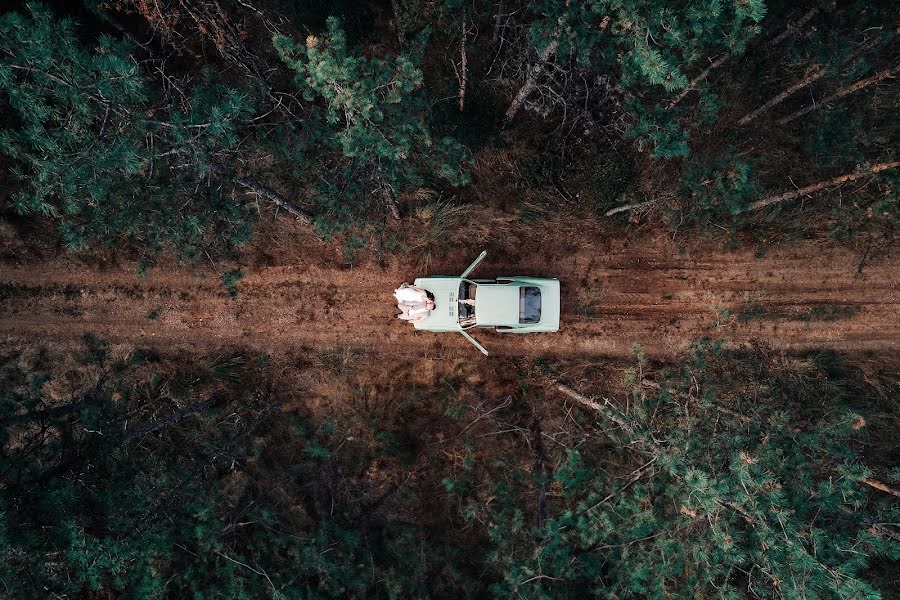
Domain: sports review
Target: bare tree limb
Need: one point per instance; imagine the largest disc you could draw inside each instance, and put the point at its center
(733, 413)
(881, 486)
(390, 197)
(172, 419)
(607, 409)
(696, 80)
(498, 21)
(237, 562)
(794, 27)
(463, 72)
(820, 186)
(401, 34)
(262, 190)
(817, 73)
(626, 207)
(840, 93)
(247, 430)
(634, 477)
(790, 29)
(882, 530)
(531, 79)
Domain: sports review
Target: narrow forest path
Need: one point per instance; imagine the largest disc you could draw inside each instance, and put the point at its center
(806, 295)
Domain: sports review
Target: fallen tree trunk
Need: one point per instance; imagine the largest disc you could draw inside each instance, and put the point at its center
(398, 21)
(531, 80)
(606, 409)
(172, 419)
(248, 429)
(792, 27)
(463, 69)
(497, 23)
(820, 186)
(261, 190)
(844, 91)
(874, 483)
(609, 411)
(389, 197)
(816, 74)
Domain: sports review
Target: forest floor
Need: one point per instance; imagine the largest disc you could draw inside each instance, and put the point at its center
(298, 294)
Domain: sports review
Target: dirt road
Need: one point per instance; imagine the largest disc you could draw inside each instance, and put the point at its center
(615, 294)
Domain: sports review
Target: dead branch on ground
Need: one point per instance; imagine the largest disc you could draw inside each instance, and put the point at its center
(820, 186)
(814, 75)
(463, 69)
(840, 93)
(788, 31)
(793, 28)
(261, 190)
(627, 207)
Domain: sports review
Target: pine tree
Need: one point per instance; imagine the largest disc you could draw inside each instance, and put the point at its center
(650, 45)
(109, 154)
(718, 186)
(374, 117)
(69, 106)
(734, 484)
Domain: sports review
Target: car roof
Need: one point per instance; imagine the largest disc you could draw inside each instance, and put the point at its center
(497, 304)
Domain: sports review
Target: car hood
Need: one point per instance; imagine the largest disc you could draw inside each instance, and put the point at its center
(444, 316)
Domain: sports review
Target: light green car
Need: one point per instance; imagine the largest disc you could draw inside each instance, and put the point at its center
(507, 304)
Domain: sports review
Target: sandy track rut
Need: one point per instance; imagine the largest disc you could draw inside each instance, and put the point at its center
(804, 296)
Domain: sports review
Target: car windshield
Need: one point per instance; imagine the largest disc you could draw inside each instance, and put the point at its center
(529, 305)
(466, 301)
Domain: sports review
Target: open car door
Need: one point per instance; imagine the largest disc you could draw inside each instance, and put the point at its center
(463, 276)
(474, 342)
(474, 264)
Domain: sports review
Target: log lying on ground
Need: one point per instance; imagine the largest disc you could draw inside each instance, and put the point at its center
(609, 411)
(463, 68)
(398, 22)
(261, 190)
(874, 483)
(844, 91)
(172, 419)
(816, 74)
(821, 185)
(791, 28)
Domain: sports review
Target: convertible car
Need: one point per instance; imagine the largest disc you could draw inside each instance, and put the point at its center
(506, 304)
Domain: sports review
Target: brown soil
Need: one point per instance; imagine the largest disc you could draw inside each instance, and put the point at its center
(616, 293)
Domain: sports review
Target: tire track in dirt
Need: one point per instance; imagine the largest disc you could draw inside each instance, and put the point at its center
(652, 293)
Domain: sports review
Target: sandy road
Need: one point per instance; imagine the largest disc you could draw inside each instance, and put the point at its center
(651, 293)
